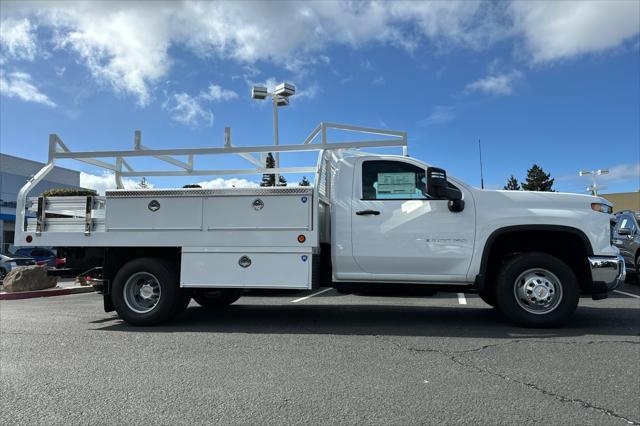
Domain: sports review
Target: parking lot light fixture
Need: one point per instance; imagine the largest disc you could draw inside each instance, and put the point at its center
(593, 173)
(279, 98)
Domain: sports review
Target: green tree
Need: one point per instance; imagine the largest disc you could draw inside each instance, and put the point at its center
(269, 179)
(512, 184)
(192, 185)
(538, 180)
(304, 182)
(143, 184)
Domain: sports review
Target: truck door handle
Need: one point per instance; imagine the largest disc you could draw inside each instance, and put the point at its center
(367, 212)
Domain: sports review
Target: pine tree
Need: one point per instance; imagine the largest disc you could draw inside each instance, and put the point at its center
(538, 180)
(512, 184)
(143, 184)
(269, 179)
(304, 182)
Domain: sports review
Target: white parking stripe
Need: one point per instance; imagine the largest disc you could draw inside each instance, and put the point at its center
(626, 294)
(311, 295)
(461, 299)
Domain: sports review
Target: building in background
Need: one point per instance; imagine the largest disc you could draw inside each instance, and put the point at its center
(624, 201)
(14, 172)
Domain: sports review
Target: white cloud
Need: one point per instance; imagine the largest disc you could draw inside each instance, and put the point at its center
(378, 81)
(440, 114)
(622, 172)
(619, 173)
(496, 84)
(565, 29)
(217, 93)
(308, 92)
(123, 45)
(18, 84)
(126, 45)
(188, 110)
(106, 181)
(227, 183)
(18, 38)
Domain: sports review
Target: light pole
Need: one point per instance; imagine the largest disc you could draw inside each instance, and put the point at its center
(279, 97)
(593, 173)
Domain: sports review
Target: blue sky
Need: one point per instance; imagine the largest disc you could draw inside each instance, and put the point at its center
(556, 84)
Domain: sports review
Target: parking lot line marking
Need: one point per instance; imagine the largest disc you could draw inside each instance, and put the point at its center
(626, 294)
(311, 295)
(461, 299)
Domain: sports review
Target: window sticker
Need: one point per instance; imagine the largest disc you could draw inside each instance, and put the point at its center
(396, 183)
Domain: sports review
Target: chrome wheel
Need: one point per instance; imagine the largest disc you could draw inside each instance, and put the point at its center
(538, 291)
(141, 292)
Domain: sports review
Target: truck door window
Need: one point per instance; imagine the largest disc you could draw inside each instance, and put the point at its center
(393, 180)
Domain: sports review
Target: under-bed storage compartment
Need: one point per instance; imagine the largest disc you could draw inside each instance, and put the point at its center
(246, 269)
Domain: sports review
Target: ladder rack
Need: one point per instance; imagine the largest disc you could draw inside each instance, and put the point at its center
(316, 141)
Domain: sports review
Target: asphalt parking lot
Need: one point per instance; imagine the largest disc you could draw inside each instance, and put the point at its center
(329, 358)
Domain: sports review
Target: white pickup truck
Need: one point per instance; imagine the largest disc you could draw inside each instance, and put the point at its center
(370, 221)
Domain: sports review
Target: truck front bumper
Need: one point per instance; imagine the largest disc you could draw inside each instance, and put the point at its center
(607, 274)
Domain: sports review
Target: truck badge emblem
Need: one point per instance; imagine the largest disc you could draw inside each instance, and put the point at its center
(257, 204)
(154, 205)
(304, 257)
(304, 199)
(244, 261)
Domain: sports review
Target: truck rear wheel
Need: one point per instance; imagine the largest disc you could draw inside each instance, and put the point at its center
(145, 292)
(537, 290)
(217, 298)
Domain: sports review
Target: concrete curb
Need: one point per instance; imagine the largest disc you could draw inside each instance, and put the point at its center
(55, 291)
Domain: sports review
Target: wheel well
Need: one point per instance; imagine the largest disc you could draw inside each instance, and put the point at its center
(116, 257)
(571, 246)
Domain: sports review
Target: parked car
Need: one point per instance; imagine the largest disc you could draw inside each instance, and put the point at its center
(43, 256)
(9, 261)
(626, 236)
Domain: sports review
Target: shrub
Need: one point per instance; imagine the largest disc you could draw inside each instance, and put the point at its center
(68, 192)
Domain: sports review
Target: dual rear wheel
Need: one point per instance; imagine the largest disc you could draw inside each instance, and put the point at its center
(145, 291)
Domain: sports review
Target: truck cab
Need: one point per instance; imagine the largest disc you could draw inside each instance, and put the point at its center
(409, 223)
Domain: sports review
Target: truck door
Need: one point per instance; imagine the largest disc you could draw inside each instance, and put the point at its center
(400, 232)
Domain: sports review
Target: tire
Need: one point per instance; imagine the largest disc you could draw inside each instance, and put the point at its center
(488, 297)
(145, 292)
(217, 298)
(537, 290)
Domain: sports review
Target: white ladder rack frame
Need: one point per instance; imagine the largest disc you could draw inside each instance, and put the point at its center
(121, 168)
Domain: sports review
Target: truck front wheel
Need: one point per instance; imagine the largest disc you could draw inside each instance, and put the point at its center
(537, 290)
(216, 298)
(145, 292)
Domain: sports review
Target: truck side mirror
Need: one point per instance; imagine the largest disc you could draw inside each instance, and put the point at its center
(438, 187)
